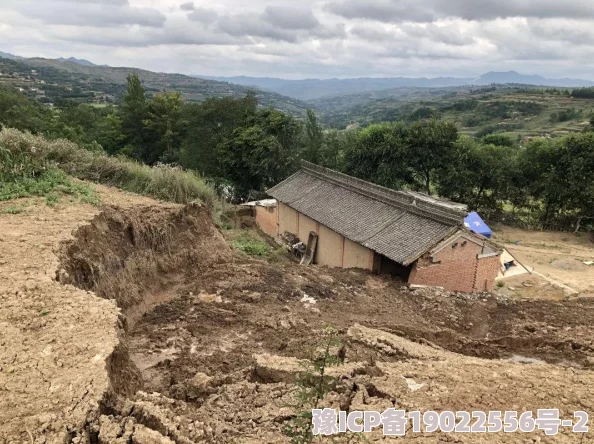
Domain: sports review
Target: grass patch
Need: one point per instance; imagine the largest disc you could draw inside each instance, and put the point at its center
(12, 210)
(163, 182)
(251, 246)
(51, 183)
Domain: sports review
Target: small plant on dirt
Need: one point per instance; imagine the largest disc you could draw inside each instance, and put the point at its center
(313, 384)
(52, 199)
(249, 245)
(500, 284)
(12, 210)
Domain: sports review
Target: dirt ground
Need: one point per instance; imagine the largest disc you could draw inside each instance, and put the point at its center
(55, 339)
(559, 256)
(208, 340)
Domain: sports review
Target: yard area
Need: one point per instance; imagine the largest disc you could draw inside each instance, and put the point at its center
(559, 256)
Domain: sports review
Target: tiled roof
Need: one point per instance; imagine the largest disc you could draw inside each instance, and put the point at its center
(400, 225)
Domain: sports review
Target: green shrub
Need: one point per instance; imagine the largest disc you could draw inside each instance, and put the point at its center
(254, 247)
(51, 183)
(162, 182)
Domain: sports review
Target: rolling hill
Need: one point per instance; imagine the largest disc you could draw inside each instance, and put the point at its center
(84, 81)
(517, 111)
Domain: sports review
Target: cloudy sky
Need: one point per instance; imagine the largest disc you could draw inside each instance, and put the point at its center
(307, 38)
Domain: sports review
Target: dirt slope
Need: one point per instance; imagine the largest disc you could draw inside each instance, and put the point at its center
(209, 340)
(55, 339)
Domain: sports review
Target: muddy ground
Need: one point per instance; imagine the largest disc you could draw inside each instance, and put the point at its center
(209, 339)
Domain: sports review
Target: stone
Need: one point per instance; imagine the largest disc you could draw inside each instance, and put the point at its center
(143, 435)
(209, 298)
(200, 381)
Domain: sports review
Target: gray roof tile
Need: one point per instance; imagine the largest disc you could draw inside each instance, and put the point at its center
(398, 224)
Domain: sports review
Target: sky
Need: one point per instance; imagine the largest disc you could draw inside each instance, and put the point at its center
(308, 38)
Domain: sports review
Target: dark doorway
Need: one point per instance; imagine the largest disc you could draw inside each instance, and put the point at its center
(383, 265)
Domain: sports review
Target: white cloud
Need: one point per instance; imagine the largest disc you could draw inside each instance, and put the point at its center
(310, 38)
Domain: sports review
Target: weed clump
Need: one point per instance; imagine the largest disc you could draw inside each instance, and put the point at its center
(312, 385)
(29, 155)
(251, 246)
(23, 175)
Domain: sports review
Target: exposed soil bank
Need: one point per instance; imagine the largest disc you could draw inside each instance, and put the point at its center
(54, 339)
(138, 256)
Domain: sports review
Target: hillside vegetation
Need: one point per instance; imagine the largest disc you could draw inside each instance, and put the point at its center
(518, 112)
(242, 149)
(51, 81)
(32, 165)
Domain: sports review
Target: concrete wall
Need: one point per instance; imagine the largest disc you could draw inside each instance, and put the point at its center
(357, 256)
(457, 267)
(333, 249)
(306, 225)
(267, 220)
(330, 248)
(288, 219)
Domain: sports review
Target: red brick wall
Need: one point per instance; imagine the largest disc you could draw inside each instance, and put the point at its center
(266, 219)
(486, 272)
(456, 269)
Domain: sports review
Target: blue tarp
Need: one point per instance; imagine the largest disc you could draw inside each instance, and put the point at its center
(474, 223)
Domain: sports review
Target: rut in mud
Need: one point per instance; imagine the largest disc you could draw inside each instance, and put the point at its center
(197, 316)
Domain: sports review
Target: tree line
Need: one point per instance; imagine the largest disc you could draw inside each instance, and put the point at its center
(544, 184)
(243, 149)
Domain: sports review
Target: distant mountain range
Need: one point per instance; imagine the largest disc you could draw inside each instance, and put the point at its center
(82, 62)
(6, 55)
(309, 89)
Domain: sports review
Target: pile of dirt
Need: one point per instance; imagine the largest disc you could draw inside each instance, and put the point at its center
(569, 264)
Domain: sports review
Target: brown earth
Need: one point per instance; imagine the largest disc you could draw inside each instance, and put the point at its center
(559, 256)
(209, 341)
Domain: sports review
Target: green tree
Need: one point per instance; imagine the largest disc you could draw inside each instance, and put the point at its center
(430, 145)
(378, 155)
(478, 175)
(209, 124)
(336, 143)
(260, 153)
(314, 139)
(165, 127)
(498, 139)
(110, 135)
(133, 113)
(540, 175)
(18, 111)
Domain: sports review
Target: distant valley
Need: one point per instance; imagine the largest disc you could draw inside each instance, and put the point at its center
(310, 89)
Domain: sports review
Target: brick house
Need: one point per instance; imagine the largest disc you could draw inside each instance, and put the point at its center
(363, 225)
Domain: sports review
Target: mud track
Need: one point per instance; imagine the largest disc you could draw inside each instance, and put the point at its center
(198, 316)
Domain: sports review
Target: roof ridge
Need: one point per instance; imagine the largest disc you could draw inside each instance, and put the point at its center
(426, 207)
